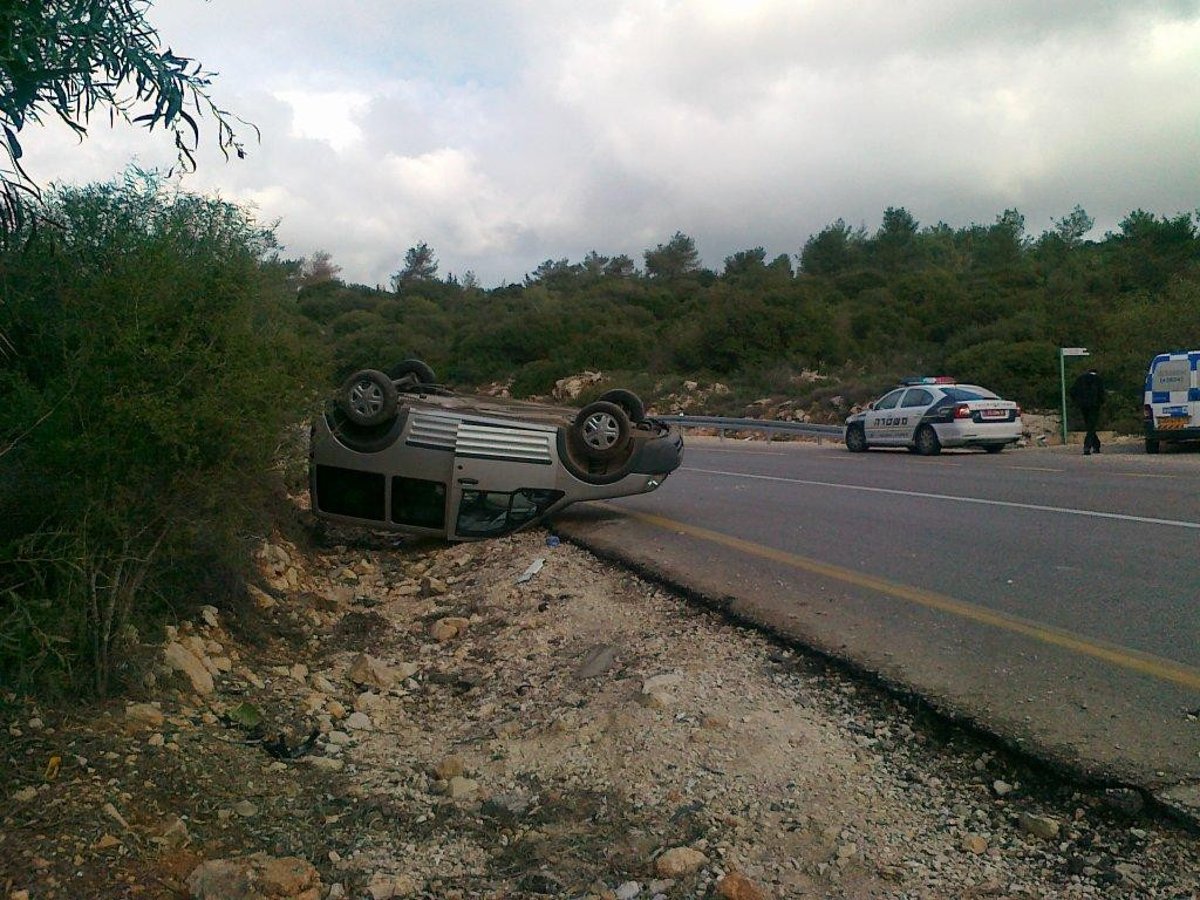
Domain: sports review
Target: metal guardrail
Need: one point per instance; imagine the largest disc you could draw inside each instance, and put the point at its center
(770, 425)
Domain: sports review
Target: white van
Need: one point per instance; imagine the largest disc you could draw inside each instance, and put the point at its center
(1171, 407)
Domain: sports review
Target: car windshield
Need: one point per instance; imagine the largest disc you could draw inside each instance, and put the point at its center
(961, 392)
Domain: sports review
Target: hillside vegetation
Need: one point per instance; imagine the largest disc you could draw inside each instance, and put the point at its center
(158, 359)
(986, 304)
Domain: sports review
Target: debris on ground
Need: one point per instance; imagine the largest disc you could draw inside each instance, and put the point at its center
(439, 729)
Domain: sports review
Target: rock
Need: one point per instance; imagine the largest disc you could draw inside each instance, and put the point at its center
(175, 834)
(156, 740)
(505, 808)
(679, 861)
(1000, 788)
(449, 767)
(655, 700)
(736, 886)
(658, 683)
(180, 659)
(113, 813)
(257, 876)
(573, 385)
(209, 615)
(245, 809)
(459, 788)
(405, 671)
(325, 763)
(1039, 826)
(106, 842)
(596, 661)
(367, 671)
(448, 628)
(974, 843)
(359, 721)
(24, 795)
(432, 586)
(628, 890)
(368, 701)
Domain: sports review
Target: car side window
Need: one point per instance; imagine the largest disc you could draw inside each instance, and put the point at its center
(917, 397)
(888, 401)
(416, 501)
(487, 513)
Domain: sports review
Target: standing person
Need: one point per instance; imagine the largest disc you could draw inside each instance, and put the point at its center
(1088, 394)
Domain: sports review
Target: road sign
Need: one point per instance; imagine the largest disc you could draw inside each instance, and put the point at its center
(1063, 353)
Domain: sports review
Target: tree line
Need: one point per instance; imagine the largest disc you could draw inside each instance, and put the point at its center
(984, 303)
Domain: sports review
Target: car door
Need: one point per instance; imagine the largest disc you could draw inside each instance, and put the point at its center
(909, 412)
(880, 420)
(503, 478)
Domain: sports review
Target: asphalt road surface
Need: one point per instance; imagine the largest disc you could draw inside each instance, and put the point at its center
(1048, 597)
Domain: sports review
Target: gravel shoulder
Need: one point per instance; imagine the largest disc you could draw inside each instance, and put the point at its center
(397, 719)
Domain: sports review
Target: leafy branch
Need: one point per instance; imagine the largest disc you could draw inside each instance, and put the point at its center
(67, 58)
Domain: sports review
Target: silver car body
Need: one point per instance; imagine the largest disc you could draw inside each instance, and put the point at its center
(467, 468)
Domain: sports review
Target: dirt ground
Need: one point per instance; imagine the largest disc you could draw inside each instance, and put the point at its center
(516, 718)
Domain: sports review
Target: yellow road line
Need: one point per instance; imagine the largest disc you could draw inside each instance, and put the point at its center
(1123, 657)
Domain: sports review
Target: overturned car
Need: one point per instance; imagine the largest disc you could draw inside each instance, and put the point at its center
(398, 452)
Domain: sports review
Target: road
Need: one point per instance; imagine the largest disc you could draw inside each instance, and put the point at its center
(1050, 598)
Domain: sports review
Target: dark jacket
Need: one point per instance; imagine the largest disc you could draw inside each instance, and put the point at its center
(1088, 390)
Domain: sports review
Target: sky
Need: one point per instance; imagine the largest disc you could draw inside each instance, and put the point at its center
(511, 132)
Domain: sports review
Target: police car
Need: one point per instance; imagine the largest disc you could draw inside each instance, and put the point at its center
(927, 414)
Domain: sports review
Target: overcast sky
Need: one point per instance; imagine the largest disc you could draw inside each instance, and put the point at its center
(509, 132)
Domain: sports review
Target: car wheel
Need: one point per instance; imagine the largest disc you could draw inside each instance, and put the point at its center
(628, 401)
(602, 430)
(927, 442)
(368, 397)
(1151, 445)
(414, 370)
(993, 448)
(856, 439)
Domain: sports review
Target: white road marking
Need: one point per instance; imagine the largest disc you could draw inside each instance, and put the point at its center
(1092, 513)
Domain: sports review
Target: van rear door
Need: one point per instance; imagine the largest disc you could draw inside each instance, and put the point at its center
(1173, 393)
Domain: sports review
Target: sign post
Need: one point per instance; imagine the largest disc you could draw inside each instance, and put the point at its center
(1063, 353)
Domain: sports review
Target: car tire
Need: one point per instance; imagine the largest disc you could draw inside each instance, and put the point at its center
(415, 370)
(601, 430)
(856, 439)
(926, 441)
(1152, 445)
(368, 397)
(628, 401)
(993, 448)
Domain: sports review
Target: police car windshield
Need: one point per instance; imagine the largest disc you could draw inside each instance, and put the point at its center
(959, 392)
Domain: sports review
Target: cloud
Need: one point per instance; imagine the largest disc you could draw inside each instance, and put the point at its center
(507, 133)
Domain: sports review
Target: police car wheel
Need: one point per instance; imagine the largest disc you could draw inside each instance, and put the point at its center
(927, 442)
(856, 439)
(1151, 445)
(993, 448)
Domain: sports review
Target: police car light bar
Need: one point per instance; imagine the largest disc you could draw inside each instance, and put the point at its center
(929, 379)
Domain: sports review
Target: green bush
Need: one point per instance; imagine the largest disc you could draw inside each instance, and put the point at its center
(154, 363)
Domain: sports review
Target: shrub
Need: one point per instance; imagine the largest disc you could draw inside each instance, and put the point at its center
(153, 366)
